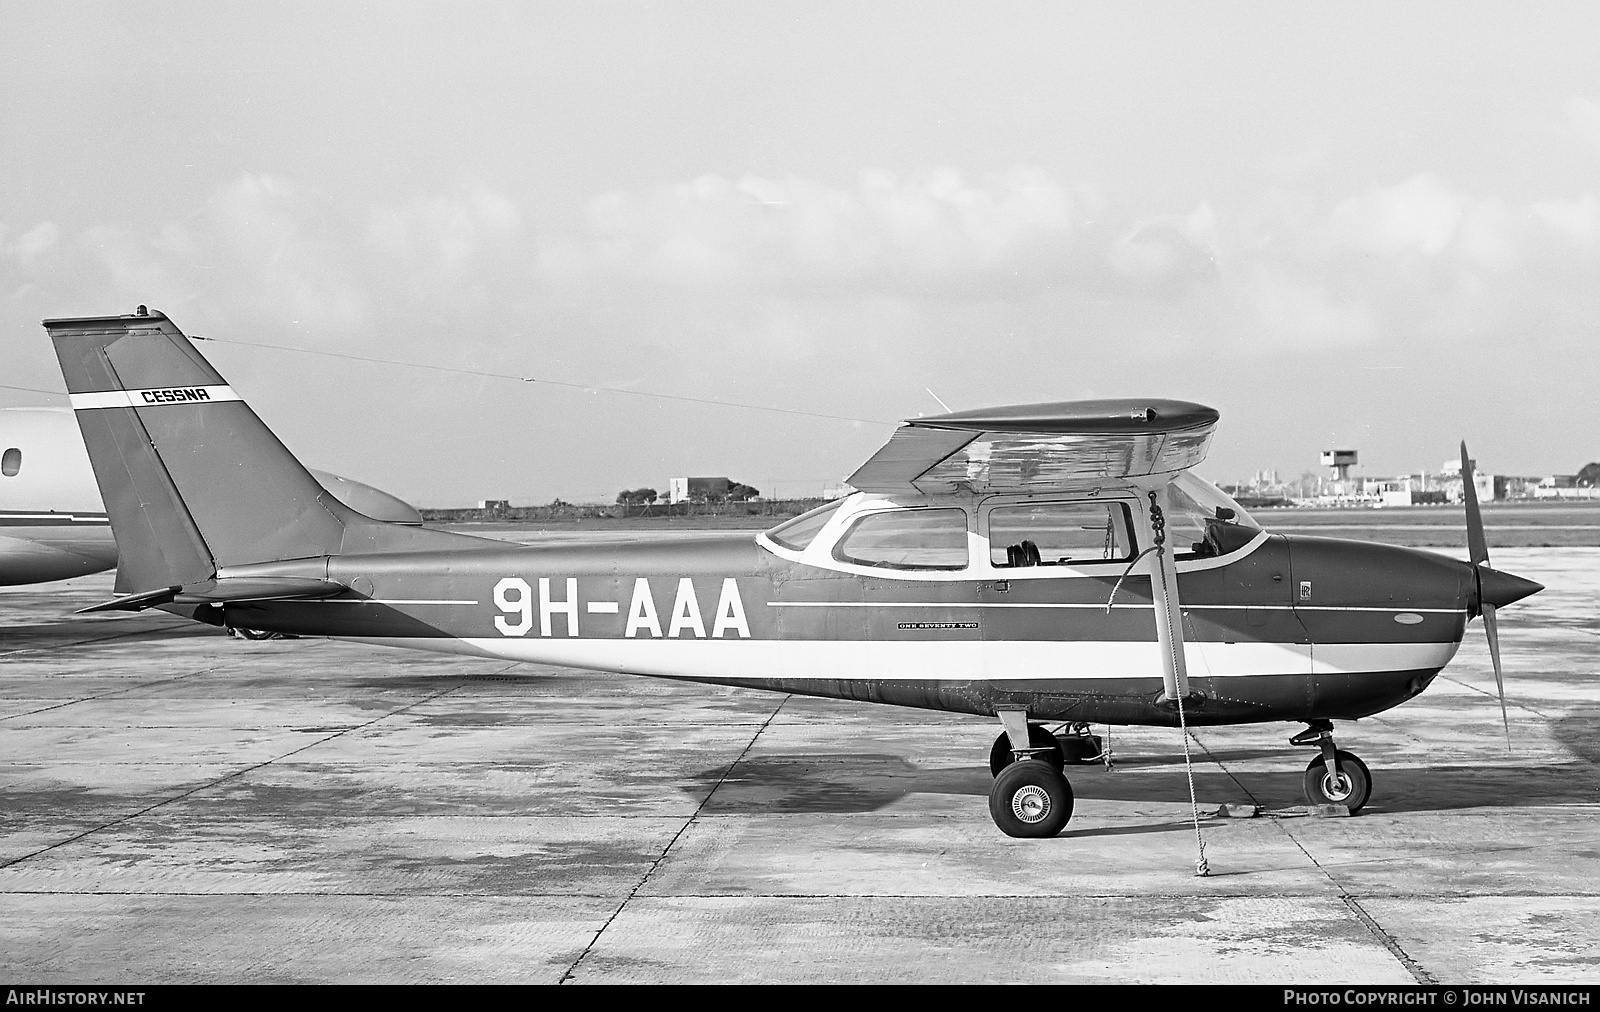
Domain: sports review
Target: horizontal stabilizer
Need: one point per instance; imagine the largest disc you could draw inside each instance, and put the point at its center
(135, 602)
(222, 591)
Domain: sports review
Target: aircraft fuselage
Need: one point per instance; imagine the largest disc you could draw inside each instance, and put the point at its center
(1282, 629)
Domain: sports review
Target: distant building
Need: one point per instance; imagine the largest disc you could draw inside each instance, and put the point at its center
(494, 504)
(697, 489)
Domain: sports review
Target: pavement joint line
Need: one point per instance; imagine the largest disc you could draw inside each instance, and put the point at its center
(1223, 766)
(1374, 929)
(1377, 930)
(1054, 898)
(1367, 920)
(114, 692)
(1511, 701)
(222, 779)
(675, 837)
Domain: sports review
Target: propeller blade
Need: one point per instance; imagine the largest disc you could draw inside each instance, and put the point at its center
(1491, 627)
(1477, 547)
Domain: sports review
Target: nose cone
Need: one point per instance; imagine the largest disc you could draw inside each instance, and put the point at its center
(1500, 589)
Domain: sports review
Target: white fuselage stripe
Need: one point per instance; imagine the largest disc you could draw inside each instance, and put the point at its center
(934, 660)
(1102, 607)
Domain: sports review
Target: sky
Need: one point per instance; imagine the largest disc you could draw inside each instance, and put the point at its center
(1365, 225)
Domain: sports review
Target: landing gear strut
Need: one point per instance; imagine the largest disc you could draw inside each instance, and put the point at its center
(1336, 777)
(1030, 796)
(1063, 748)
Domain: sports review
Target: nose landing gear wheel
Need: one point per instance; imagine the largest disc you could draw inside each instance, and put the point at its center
(1030, 799)
(1351, 788)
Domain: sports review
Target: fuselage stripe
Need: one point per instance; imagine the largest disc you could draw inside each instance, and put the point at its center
(384, 600)
(153, 398)
(1101, 607)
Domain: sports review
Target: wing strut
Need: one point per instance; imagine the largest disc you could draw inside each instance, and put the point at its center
(1169, 610)
(1174, 670)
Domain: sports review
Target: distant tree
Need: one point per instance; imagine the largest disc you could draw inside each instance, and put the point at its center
(1589, 477)
(740, 492)
(637, 496)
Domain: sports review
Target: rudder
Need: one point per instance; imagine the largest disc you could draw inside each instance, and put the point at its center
(192, 480)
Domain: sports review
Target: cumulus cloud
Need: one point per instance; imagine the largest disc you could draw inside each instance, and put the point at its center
(1418, 217)
(1173, 250)
(1583, 119)
(792, 233)
(789, 270)
(31, 245)
(446, 232)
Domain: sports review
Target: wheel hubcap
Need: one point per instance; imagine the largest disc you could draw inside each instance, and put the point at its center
(1031, 804)
(1337, 788)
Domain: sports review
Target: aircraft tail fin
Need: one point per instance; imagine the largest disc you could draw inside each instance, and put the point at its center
(192, 480)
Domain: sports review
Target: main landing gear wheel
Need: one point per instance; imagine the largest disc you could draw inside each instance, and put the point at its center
(1000, 756)
(1350, 788)
(1030, 799)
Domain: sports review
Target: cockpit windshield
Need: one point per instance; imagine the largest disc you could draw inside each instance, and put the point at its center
(1203, 521)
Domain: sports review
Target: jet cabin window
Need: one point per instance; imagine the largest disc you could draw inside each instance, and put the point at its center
(1059, 533)
(11, 462)
(907, 539)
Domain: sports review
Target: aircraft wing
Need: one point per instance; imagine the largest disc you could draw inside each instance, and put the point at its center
(1035, 447)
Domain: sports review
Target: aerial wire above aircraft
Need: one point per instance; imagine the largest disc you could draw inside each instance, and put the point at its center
(1039, 563)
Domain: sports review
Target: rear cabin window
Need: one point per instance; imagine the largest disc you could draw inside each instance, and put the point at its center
(907, 539)
(802, 530)
(11, 462)
(1057, 534)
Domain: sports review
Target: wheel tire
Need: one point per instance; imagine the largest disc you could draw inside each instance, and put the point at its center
(1000, 755)
(1353, 794)
(254, 634)
(1030, 800)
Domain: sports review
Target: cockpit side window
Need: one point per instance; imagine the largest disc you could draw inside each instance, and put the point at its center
(907, 539)
(803, 529)
(11, 462)
(1059, 533)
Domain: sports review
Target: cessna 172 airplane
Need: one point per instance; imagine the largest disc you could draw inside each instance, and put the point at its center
(52, 523)
(1035, 563)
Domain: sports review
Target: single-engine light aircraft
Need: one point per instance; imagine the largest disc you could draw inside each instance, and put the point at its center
(1040, 563)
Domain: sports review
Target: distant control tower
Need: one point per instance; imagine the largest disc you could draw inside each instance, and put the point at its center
(1341, 461)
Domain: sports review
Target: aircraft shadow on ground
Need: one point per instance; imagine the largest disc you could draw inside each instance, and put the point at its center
(87, 634)
(1580, 732)
(866, 781)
